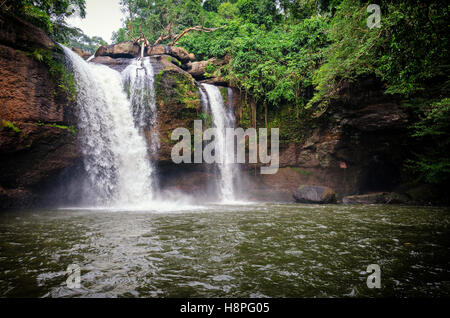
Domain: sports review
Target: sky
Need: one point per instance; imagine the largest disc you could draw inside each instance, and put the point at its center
(102, 18)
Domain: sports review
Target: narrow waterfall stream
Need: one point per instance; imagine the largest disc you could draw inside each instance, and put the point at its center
(115, 153)
(138, 80)
(222, 119)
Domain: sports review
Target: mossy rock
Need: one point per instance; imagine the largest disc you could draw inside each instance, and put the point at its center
(176, 87)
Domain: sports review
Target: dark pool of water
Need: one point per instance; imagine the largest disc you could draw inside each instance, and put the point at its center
(263, 250)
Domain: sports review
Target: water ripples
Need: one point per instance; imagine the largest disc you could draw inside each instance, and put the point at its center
(260, 250)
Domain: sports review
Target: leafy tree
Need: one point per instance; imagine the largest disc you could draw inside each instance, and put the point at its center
(45, 13)
(228, 10)
(431, 163)
(211, 5)
(261, 12)
(409, 49)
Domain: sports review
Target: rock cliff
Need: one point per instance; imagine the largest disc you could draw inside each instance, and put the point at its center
(355, 147)
(37, 118)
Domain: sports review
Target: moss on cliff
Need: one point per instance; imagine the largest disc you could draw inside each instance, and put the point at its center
(173, 86)
(11, 126)
(70, 128)
(62, 78)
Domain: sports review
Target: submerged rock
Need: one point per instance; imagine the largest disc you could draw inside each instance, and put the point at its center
(314, 194)
(369, 198)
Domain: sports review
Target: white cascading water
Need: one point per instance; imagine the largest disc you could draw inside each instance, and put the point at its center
(115, 154)
(138, 80)
(222, 119)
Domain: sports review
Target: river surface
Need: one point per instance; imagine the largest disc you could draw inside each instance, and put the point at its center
(258, 250)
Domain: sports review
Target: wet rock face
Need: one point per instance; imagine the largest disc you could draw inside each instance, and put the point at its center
(37, 141)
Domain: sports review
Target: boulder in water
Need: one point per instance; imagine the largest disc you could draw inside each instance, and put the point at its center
(314, 194)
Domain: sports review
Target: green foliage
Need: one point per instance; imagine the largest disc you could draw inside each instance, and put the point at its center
(71, 129)
(409, 54)
(301, 171)
(432, 162)
(228, 10)
(410, 48)
(260, 12)
(11, 126)
(45, 13)
(155, 16)
(50, 15)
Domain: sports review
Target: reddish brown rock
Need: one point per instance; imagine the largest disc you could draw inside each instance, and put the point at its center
(123, 49)
(26, 91)
(33, 151)
(84, 54)
(178, 52)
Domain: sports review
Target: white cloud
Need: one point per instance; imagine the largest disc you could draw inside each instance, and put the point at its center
(102, 18)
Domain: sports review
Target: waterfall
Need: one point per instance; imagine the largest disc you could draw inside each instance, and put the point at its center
(138, 80)
(222, 119)
(115, 153)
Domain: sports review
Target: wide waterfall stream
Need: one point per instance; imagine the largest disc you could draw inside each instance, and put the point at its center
(115, 153)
